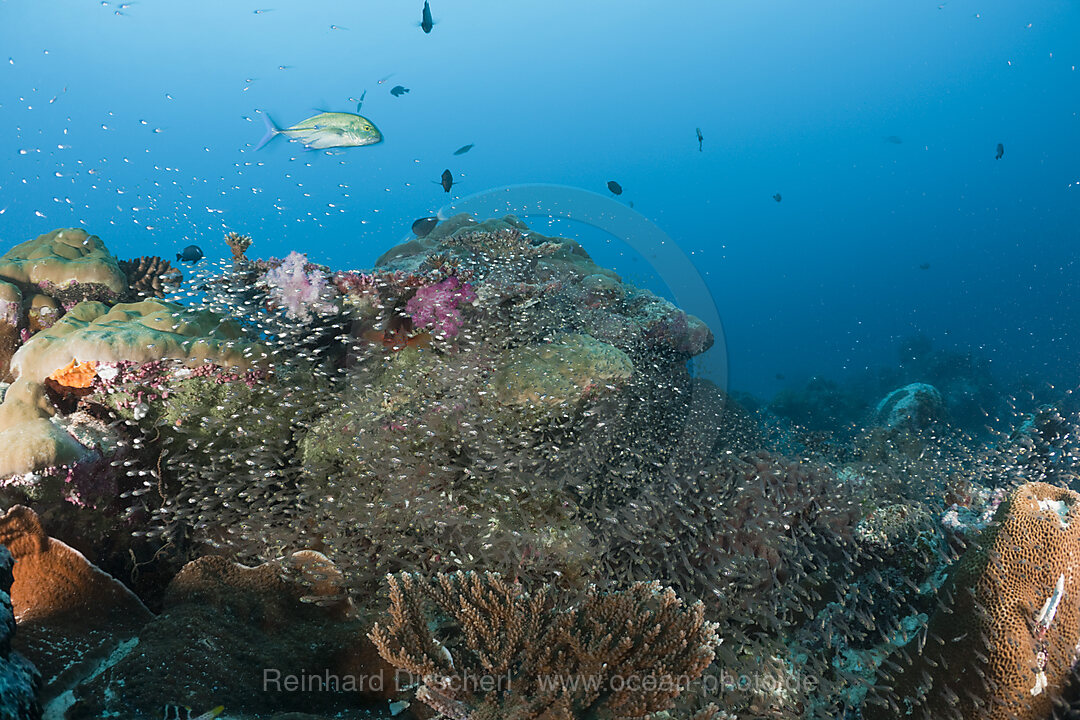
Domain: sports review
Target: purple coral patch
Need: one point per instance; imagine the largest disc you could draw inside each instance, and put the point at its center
(435, 307)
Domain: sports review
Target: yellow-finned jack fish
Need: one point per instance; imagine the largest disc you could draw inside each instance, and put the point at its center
(326, 130)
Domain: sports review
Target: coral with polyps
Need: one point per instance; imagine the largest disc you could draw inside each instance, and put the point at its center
(1005, 637)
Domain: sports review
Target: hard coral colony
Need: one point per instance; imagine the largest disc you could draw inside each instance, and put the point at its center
(519, 479)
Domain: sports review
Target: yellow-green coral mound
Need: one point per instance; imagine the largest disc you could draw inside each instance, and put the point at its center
(135, 332)
(560, 372)
(62, 258)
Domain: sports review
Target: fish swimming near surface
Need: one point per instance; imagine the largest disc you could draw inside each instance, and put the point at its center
(464, 149)
(1000, 151)
(177, 712)
(777, 197)
(398, 90)
(614, 187)
(422, 227)
(191, 254)
(426, 23)
(447, 180)
(326, 130)
(700, 137)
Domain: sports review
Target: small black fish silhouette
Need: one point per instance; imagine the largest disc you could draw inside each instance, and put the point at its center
(191, 254)
(699, 139)
(421, 227)
(398, 91)
(464, 149)
(895, 140)
(777, 197)
(924, 266)
(426, 23)
(614, 187)
(447, 180)
(1000, 151)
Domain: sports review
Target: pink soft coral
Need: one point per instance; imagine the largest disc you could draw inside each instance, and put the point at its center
(299, 291)
(435, 307)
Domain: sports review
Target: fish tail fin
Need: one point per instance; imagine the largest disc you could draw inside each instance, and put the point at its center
(178, 257)
(271, 131)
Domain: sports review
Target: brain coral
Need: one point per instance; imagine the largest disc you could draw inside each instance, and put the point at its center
(1003, 641)
(66, 263)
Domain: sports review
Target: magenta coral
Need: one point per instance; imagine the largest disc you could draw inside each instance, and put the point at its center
(435, 307)
(299, 290)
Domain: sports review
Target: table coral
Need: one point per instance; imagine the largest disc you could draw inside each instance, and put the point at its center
(642, 645)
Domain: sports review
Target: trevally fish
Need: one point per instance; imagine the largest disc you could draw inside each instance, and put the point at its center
(326, 130)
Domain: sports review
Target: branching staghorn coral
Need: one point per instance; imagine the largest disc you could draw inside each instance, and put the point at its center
(503, 652)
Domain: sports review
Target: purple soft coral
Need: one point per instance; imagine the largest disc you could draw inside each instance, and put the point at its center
(435, 307)
(298, 290)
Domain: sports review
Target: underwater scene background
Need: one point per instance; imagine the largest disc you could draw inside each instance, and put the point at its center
(539, 360)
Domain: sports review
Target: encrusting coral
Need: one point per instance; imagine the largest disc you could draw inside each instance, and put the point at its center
(503, 653)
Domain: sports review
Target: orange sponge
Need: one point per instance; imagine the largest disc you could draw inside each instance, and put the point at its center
(76, 374)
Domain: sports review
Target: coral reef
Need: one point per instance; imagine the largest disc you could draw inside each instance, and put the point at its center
(485, 412)
(94, 333)
(624, 654)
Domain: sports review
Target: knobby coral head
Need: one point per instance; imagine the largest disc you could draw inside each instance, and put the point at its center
(435, 307)
(299, 290)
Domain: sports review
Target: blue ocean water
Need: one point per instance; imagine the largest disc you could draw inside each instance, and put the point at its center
(877, 123)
